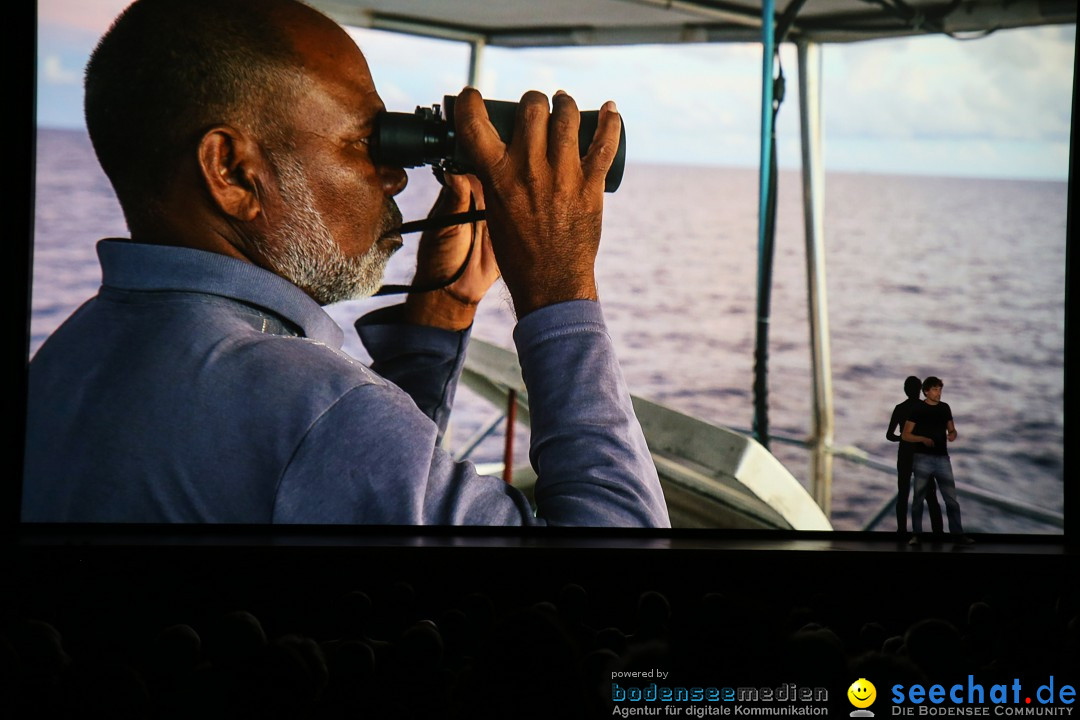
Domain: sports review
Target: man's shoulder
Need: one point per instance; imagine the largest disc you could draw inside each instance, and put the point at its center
(207, 340)
(255, 344)
(906, 407)
(301, 361)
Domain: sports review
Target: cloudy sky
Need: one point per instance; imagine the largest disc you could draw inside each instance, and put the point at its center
(996, 107)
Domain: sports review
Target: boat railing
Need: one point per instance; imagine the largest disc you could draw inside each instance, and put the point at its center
(850, 454)
(859, 457)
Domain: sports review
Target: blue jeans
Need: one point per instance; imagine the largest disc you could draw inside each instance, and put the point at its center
(939, 468)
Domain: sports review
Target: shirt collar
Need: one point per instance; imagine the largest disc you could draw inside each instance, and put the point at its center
(128, 265)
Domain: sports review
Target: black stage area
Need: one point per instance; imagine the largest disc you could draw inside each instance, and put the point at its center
(177, 573)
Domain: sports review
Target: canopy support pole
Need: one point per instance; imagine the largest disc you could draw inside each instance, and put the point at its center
(813, 177)
(476, 55)
(765, 229)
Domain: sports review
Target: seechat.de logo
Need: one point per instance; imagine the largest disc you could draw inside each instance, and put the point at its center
(973, 698)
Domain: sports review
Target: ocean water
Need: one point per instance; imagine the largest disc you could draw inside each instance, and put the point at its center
(959, 278)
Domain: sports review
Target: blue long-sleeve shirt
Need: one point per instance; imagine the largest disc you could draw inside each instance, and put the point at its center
(200, 388)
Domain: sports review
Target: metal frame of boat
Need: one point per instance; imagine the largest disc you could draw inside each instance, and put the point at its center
(712, 476)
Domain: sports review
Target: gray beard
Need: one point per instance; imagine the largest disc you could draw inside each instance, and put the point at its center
(300, 248)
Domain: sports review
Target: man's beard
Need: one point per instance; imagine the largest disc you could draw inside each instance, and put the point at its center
(299, 246)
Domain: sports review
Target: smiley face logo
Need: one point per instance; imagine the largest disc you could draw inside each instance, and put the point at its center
(862, 693)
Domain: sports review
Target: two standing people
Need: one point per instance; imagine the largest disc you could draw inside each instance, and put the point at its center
(905, 460)
(930, 428)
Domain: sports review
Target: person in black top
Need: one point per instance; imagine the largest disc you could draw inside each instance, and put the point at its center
(931, 426)
(905, 455)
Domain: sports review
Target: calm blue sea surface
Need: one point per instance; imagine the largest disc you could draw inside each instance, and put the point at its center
(958, 278)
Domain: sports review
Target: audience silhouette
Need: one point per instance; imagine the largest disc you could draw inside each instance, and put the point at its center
(467, 657)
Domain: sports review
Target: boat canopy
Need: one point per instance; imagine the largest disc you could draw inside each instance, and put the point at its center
(807, 23)
(554, 23)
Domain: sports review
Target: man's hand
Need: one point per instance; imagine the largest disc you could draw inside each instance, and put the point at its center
(927, 442)
(441, 254)
(544, 201)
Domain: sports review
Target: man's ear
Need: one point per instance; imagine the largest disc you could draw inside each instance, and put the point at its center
(230, 162)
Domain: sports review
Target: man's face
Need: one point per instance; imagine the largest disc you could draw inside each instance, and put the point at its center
(934, 394)
(331, 224)
(300, 247)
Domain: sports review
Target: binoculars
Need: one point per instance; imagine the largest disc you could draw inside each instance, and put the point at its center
(426, 137)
